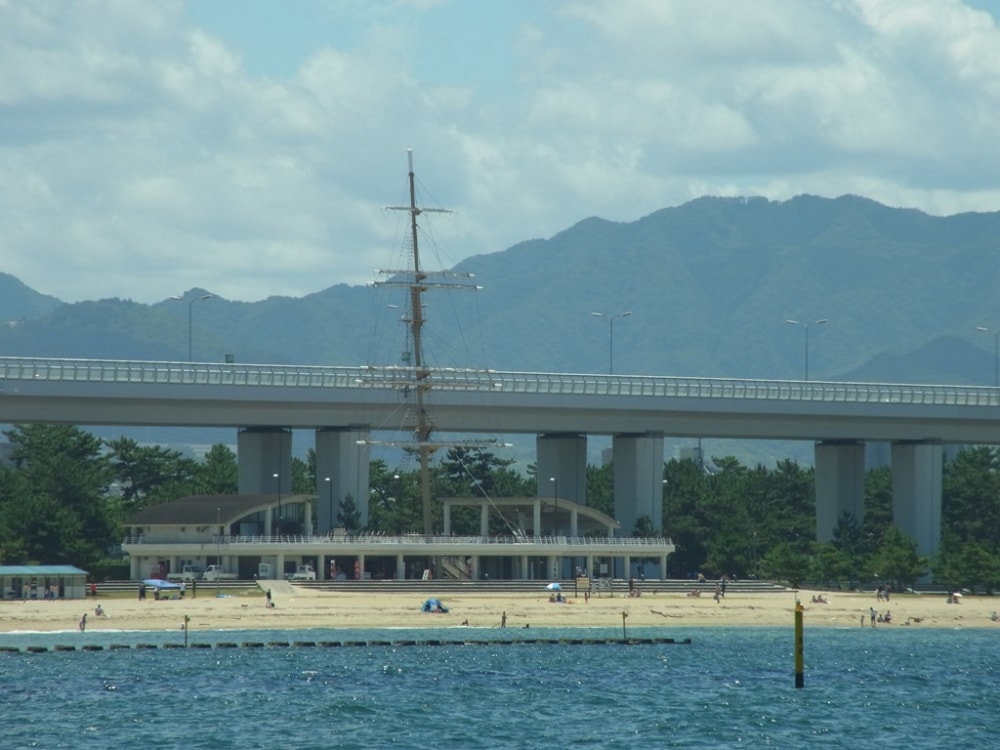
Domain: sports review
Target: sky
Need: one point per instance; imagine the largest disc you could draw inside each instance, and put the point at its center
(249, 147)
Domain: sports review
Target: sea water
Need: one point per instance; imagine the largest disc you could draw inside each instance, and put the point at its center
(864, 688)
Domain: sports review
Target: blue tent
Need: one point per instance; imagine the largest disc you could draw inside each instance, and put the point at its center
(434, 605)
(159, 583)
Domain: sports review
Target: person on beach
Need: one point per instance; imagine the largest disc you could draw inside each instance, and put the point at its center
(83, 622)
(503, 620)
(874, 615)
(268, 602)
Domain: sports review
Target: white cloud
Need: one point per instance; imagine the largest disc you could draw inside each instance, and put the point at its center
(140, 158)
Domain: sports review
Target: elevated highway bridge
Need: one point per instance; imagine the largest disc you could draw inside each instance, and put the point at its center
(346, 405)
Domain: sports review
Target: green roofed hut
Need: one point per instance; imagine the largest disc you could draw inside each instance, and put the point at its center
(42, 582)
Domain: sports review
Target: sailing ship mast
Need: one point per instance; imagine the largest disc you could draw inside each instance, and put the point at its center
(417, 281)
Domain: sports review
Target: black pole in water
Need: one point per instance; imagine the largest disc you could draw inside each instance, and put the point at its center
(624, 635)
(799, 678)
(184, 627)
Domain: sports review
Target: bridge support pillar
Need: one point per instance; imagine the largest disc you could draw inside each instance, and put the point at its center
(342, 454)
(638, 472)
(261, 453)
(562, 457)
(916, 492)
(840, 485)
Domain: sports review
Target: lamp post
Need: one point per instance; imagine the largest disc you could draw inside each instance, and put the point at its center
(611, 335)
(996, 353)
(218, 549)
(807, 326)
(277, 483)
(329, 484)
(191, 302)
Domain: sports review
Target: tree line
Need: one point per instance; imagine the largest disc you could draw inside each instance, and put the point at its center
(65, 496)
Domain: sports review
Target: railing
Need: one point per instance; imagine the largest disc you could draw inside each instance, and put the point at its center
(401, 539)
(465, 380)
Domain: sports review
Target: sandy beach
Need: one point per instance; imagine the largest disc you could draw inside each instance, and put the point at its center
(297, 608)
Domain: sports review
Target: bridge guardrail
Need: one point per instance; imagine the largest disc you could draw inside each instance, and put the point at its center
(457, 379)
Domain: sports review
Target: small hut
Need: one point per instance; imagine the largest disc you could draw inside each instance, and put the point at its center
(42, 582)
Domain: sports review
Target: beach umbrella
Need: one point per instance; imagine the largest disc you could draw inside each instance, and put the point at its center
(554, 587)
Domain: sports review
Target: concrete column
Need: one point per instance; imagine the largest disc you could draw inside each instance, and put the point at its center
(840, 485)
(261, 453)
(446, 512)
(342, 453)
(474, 573)
(638, 472)
(400, 568)
(484, 520)
(563, 457)
(525, 572)
(536, 518)
(321, 571)
(574, 523)
(279, 566)
(916, 492)
(307, 521)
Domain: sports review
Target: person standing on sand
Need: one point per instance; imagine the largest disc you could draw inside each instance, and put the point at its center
(873, 614)
(83, 622)
(267, 600)
(503, 620)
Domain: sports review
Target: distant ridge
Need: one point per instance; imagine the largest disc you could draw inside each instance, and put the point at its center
(709, 284)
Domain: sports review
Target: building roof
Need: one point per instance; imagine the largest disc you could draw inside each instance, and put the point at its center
(206, 510)
(41, 570)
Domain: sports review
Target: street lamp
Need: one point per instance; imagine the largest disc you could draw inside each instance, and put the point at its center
(190, 316)
(277, 482)
(996, 353)
(611, 335)
(807, 326)
(218, 549)
(329, 484)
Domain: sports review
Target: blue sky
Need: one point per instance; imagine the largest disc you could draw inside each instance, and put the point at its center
(247, 146)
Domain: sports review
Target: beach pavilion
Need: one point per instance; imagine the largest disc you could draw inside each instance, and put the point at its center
(273, 536)
(42, 582)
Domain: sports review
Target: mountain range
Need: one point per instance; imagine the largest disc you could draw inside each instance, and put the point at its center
(710, 287)
(709, 284)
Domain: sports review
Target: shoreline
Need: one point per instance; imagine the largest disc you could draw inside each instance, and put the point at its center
(306, 610)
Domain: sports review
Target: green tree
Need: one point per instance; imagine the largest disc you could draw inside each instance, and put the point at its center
(897, 559)
(145, 471)
(60, 511)
(218, 474)
(787, 562)
(830, 564)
